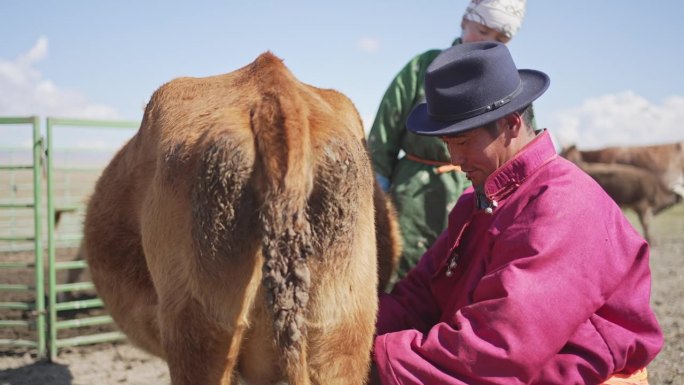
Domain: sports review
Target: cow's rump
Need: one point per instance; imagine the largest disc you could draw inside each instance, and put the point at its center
(235, 232)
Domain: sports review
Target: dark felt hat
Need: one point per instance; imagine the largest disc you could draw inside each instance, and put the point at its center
(470, 85)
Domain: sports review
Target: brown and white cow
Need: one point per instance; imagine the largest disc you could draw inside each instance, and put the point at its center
(639, 189)
(664, 160)
(234, 234)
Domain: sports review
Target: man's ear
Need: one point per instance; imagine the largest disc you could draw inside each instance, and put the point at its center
(514, 124)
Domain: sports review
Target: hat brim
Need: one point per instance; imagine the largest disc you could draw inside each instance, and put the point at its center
(534, 83)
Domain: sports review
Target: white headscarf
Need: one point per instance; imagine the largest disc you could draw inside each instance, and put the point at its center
(504, 16)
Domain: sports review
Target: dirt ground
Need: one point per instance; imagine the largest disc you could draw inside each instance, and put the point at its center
(120, 363)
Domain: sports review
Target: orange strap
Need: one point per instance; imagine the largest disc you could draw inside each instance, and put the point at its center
(640, 377)
(440, 167)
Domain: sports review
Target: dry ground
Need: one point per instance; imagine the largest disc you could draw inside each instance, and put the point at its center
(120, 363)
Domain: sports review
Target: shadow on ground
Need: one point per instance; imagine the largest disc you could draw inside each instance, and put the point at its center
(40, 372)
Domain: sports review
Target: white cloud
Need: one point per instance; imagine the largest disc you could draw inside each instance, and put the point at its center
(620, 119)
(24, 91)
(368, 44)
(37, 53)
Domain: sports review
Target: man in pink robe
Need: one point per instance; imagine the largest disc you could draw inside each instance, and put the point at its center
(539, 277)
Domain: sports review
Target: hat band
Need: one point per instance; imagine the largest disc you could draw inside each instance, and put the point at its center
(499, 103)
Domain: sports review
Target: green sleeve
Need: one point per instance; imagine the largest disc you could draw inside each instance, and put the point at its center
(388, 129)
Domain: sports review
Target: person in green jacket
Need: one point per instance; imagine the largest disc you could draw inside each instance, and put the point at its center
(416, 170)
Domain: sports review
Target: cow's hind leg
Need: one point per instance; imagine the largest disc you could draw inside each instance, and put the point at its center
(198, 350)
(645, 214)
(343, 304)
(202, 321)
(202, 333)
(203, 254)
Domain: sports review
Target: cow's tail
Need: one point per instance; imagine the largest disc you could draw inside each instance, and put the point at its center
(284, 179)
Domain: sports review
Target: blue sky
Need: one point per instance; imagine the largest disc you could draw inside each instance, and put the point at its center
(615, 65)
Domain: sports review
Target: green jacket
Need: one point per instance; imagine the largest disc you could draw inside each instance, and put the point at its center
(423, 196)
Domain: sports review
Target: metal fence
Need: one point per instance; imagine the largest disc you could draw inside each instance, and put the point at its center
(66, 172)
(12, 203)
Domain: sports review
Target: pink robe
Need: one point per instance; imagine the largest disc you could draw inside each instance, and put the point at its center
(551, 287)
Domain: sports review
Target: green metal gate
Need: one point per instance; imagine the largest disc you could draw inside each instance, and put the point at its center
(12, 202)
(60, 189)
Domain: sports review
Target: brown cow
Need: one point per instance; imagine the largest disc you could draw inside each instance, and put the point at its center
(630, 187)
(665, 160)
(234, 235)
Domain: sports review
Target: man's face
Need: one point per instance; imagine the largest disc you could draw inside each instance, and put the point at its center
(478, 152)
(473, 32)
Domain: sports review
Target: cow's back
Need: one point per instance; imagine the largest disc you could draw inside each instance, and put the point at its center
(665, 160)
